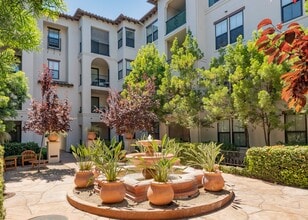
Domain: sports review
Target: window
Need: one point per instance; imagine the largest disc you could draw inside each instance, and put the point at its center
(16, 132)
(54, 38)
(120, 69)
(231, 132)
(120, 38)
(291, 10)
(130, 37)
(54, 67)
(224, 132)
(152, 32)
(99, 42)
(238, 132)
(221, 34)
(94, 103)
(228, 29)
(296, 131)
(128, 67)
(18, 63)
(212, 2)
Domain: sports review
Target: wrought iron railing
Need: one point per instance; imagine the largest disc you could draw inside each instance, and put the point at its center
(233, 158)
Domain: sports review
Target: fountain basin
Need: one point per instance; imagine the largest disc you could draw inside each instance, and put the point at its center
(143, 159)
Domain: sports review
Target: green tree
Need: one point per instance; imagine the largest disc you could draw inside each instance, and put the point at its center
(248, 85)
(18, 31)
(148, 64)
(181, 89)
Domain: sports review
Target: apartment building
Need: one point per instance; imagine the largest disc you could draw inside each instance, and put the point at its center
(88, 54)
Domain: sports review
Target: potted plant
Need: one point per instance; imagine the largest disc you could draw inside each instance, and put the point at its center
(92, 132)
(84, 177)
(106, 159)
(208, 157)
(160, 191)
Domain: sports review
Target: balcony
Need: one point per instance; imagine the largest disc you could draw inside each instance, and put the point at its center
(175, 22)
(99, 48)
(100, 81)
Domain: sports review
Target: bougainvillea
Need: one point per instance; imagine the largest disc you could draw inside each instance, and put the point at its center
(292, 45)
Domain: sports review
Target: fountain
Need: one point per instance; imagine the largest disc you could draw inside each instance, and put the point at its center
(189, 198)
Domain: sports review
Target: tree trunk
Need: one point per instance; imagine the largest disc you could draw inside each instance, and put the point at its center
(40, 155)
(247, 136)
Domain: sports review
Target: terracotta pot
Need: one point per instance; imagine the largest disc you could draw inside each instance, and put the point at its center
(213, 181)
(53, 137)
(91, 135)
(84, 178)
(129, 135)
(112, 192)
(160, 193)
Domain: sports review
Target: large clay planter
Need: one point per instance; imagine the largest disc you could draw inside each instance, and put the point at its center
(160, 193)
(112, 192)
(213, 181)
(53, 137)
(84, 178)
(91, 135)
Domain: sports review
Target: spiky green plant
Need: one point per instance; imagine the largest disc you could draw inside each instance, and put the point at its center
(83, 154)
(161, 169)
(207, 156)
(107, 158)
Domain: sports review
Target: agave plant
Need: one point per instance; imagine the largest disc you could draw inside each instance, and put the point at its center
(107, 158)
(207, 156)
(83, 154)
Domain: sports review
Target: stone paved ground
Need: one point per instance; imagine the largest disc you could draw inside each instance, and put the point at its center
(38, 195)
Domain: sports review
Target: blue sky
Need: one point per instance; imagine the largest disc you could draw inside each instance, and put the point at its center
(111, 8)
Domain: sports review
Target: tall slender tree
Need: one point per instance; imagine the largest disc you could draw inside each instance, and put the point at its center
(148, 64)
(182, 88)
(50, 114)
(248, 85)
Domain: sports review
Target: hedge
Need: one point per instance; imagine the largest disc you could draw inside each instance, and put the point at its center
(2, 211)
(17, 148)
(279, 164)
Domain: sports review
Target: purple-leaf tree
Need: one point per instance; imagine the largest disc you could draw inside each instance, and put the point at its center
(50, 115)
(133, 111)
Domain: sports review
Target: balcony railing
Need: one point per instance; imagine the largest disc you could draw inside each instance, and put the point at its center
(100, 81)
(175, 22)
(99, 48)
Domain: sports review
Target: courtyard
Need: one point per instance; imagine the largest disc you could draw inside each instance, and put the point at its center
(32, 195)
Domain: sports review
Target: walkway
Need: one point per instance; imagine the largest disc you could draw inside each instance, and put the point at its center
(43, 196)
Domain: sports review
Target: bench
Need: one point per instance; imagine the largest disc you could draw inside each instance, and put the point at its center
(36, 162)
(28, 156)
(10, 162)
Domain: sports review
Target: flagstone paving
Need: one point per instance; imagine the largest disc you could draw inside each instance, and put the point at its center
(43, 196)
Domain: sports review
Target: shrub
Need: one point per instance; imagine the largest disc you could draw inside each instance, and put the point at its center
(2, 211)
(279, 164)
(17, 148)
